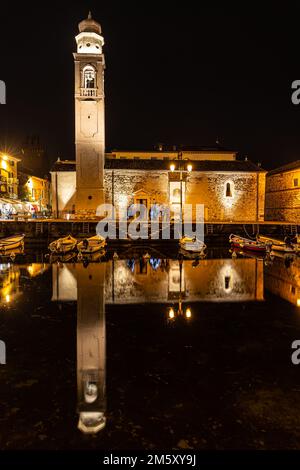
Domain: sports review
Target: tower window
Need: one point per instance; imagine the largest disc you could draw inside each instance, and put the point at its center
(296, 182)
(89, 77)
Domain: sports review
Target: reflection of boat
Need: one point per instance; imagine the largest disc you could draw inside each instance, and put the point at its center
(91, 245)
(12, 243)
(91, 257)
(279, 245)
(246, 243)
(247, 254)
(11, 254)
(63, 258)
(63, 245)
(192, 245)
(283, 255)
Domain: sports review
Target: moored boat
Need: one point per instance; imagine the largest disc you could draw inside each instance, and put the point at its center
(63, 245)
(285, 246)
(192, 245)
(91, 245)
(11, 243)
(247, 243)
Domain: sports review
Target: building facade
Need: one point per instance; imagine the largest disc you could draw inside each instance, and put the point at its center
(35, 190)
(230, 189)
(283, 193)
(9, 176)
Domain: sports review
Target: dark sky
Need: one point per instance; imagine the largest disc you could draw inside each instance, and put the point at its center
(174, 75)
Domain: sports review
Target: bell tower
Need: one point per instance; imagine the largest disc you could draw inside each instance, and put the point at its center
(89, 116)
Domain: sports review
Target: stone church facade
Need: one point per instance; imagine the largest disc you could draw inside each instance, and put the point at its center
(230, 189)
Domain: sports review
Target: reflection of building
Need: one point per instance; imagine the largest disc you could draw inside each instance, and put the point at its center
(284, 280)
(283, 193)
(9, 283)
(230, 189)
(10, 279)
(219, 280)
(159, 281)
(86, 285)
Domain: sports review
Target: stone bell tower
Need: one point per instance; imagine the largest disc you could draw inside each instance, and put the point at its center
(89, 116)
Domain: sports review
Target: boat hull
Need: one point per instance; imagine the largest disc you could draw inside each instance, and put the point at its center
(63, 245)
(11, 243)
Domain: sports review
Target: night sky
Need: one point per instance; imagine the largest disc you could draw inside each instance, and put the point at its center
(182, 76)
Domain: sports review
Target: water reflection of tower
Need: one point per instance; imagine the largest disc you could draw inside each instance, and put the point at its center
(91, 348)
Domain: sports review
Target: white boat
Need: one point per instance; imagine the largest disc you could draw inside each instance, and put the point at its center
(91, 245)
(63, 245)
(11, 243)
(192, 245)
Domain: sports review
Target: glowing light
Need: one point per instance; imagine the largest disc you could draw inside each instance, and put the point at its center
(298, 302)
(5, 157)
(7, 298)
(29, 182)
(172, 167)
(189, 167)
(171, 313)
(188, 313)
(4, 165)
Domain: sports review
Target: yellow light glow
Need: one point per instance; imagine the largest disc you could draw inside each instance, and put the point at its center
(172, 167)
(5, 157)
(7, 298)
(188, 313)
(171, 313)
(189, 168)
(298, 302)
(29, 182)
(4, 164)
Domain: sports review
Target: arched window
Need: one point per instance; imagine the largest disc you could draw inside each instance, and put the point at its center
(89, 77)
(228, 190)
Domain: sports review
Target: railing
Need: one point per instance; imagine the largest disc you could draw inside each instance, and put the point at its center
(88, 91)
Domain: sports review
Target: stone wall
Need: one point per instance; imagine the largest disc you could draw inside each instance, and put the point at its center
(63, 186)
(282, 197)
(134, 184)
(246, 203)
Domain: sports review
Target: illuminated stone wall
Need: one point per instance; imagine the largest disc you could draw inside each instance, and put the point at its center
(246, 203)
(63, 186)
(284, 281)
(131, 184)
(282, 197)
